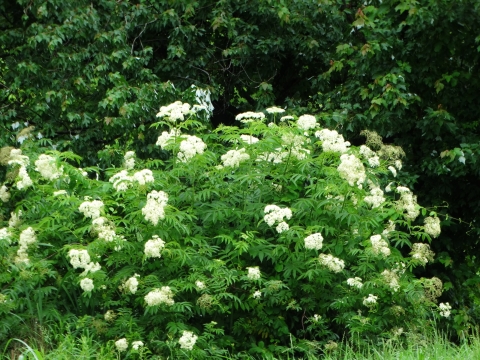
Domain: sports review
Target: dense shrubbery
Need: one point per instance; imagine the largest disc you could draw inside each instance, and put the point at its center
(246, 238)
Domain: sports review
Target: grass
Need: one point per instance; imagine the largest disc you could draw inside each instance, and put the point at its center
(435, 347)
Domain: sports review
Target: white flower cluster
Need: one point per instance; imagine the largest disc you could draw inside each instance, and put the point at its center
(122, 181)
(275, 157)
(27, 238)
(164, 139)
(285, 118)
(392, 280)
(87, 284)
(109, 315)
(160, 296)
(121, 345)
(104, 230)
(314, 241)
(331, 262)
(432, 226)
(190, 147)
(254, 273)
(60, 192)
(249, 116)
(257, 294)
(274, 110)
(47, 167)
(352, 170)
(393, 171)
(175, 111)
(422, 253)
(137, 344)
(188, 340)
(131, 285)
(306, 122)
(91, 209)
(154, 247)
(398, 164)
(16, 158)
(154, 209)
(407, 203)
(5, 235)
(233, 158)
(389, 228)
(370, 301)
(355, 282)
(129, 160)
(200, 285)
(445, 309)
(15, 219)
(370, 155)
(332, 141)
(4, 194)
(275, 214)
(375, 199)
(294, 143)
(25, 180)
(379, 246)
(81, 259)
(249, 139)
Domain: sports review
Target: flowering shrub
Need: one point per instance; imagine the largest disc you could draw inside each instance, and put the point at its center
(197, 258)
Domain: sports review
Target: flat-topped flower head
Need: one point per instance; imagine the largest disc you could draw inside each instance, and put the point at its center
(188, 340)
(189, 147)
(91, 209)
(154, 209)
(129, 159)
(253, 273)
(314, 241)
(332, 141)
(249, 116)
(355, 282)
(379, 246)
(121, 345)
(331, 262)
(233, 158)
(160, 296)
(432, 226)
(274, 110)
(154, 247)
(306, 122)
(175, 111)
(47, 167)
(87, 284)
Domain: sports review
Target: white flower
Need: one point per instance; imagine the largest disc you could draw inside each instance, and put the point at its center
(137, 345)
(163, 140)
(432, 226)
(398, 164)
(379, 246)
(5, 235)
(355, 282)
(352, 170)
(143, 177)
(375, 199)
(188, 340)
(233, 158)
(25, 180)
(393, 171)
(445, 309)
(253, 273)
(87, 284)
(79, 258)
(15, 125)
(370, 155)
(389, 228)
(249, 139)
(27, 238)
(109, 315)
(370, 301)
(175, 111)
(275, 214)
(15, 219)
(249, 116)
(422, 253)
(154, 246)
(391, 278)
(16, 158)
(60, 192)
(306, 122)
(284, 118)
(91, 209)
(121, 344)
(314, 241)
(190, 147)
(200, 285)
(4, 194)
(332, 141)
(131, 285)
(129, 160)
(154, 209)
(274, 110)
(316, 318)
(47, 167)
(257, 294)
(121, 181)
(388, 188)
(104, 230)
(281, 227)
(332, 263)
(160, 296)
(407, 203)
